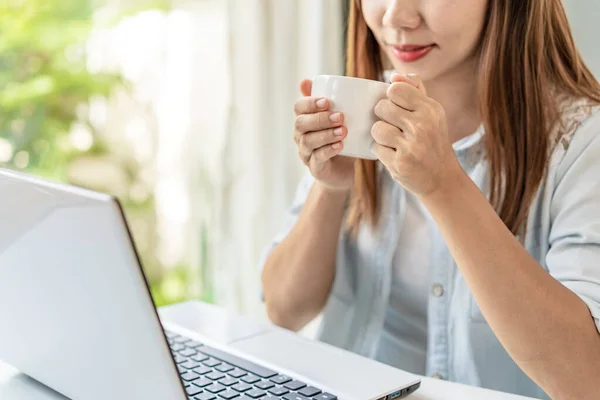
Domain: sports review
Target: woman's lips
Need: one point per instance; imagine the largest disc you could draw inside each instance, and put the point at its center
(410, 53)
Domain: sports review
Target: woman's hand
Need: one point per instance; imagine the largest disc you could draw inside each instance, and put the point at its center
(411, 140)
(319, 134)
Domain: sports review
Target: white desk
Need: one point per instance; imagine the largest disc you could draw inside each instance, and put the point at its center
(16, 386)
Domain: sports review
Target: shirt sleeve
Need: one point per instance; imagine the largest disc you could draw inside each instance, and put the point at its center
(573, 257)
(302, 192)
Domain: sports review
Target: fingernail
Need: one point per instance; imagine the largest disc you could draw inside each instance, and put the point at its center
(322, 103)
(338, 131)
(335, 117)
(336, 146)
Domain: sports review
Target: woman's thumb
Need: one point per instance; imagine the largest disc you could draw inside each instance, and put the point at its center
(411, 79)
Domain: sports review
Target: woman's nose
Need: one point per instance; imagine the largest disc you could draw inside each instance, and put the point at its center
(402, 14)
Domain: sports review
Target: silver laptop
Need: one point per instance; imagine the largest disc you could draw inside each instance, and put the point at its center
(76, 314)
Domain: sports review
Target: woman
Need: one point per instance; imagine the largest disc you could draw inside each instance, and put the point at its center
(473, 257)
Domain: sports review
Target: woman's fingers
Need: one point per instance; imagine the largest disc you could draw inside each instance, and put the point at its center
(319, 132)
(386, 134)
(389, 112)
(325, 153)
(405, 95)
(412, 79)
(314, 140)
(319, 121)
(311, 105)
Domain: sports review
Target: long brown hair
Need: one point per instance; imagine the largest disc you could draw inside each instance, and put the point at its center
(527, 55)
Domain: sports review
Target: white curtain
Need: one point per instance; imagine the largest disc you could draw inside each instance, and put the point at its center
(272, 45)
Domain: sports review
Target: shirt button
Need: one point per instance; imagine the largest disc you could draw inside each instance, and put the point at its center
(437, 375)
(437, 290)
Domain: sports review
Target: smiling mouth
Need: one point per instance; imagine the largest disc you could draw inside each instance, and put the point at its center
(410, 53)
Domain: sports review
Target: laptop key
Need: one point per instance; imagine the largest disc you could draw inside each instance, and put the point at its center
(264, 385)
(325, 396)
(211, 362)
(189, 376)
(179, 359)
(177, 347)
(278, 391)
(294, 385)
(224, 368)
(255, 393)
(202, 382)
(199, 357)
(309, 391)
(228, 381)
(240, 362)
(295, 396)
(189, 364)
(251, 379)
(205, 396)
(237, 373)
(215, 388)
(202, 370)
(281, 379)
(228, 394)
(215, 376)
(242, 387)
(193, 390)
(180, 339)
(187, 352)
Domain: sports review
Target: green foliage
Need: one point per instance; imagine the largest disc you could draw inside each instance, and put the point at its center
(44, 86)
(175, 287)
(43, 80)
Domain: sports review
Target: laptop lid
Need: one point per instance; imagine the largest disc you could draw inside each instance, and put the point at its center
(75, 309)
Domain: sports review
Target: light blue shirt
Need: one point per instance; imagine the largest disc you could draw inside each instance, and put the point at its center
(563, 235)
(403, 342)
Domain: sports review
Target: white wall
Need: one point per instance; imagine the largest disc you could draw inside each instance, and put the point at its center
(584, 16)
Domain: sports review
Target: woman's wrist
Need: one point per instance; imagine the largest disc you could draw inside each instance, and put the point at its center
(457, 182)
(339, 191)
(332, 193)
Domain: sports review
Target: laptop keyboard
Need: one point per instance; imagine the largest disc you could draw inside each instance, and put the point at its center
(212, 374)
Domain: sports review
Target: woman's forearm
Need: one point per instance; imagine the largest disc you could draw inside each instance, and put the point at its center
(299, 272)
(544, 326)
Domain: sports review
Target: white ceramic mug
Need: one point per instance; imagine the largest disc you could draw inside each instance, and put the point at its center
(356, 99)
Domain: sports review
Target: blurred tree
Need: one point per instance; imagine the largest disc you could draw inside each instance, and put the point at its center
(43, 81)
(45, 92)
